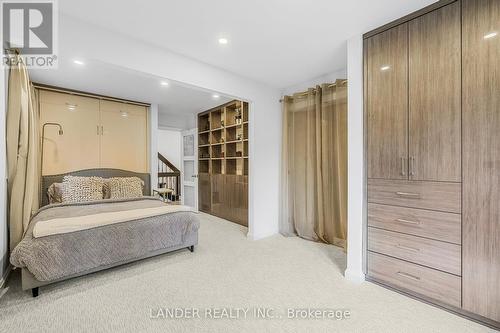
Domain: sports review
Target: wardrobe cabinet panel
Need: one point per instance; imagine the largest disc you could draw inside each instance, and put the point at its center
(387, 105)
(78, 147)
(124, 136)
(204, 192)
(481, 160)
(434, 95)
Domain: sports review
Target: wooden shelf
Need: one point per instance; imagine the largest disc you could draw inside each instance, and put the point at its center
(204, 145)
(203, 132)
(223, 188)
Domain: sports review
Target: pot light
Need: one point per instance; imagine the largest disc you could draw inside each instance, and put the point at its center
(490, 35)
(223, 41)
(78, 62)
(215, 96)
(164, 83)
(384, 68)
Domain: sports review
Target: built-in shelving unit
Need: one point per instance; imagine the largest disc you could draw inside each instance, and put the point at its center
(223, 161)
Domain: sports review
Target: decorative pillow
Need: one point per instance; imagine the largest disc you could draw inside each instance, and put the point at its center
(106, 191)
(125, 187)
(82, 189)
(55, 192)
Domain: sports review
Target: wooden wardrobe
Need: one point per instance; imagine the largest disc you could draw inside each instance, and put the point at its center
(97, 133)
(223, 161)
(432, 111)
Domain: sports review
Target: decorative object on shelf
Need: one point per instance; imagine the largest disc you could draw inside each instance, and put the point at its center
(239, 153)
(237, 117)
(221, 140)
(239, 137)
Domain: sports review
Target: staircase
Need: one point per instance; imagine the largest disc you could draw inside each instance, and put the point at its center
(169, 177)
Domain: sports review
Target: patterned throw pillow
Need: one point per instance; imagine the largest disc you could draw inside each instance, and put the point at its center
(82, 189)
(125, 187)
(54, 192)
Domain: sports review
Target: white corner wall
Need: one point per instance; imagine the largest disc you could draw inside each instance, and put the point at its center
(153, 145)
(355, 163)
(265, 117)
(4, 259)
(169, 143)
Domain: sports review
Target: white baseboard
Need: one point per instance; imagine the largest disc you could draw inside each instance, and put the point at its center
(354, 275)
(5, 276)
(253, 236)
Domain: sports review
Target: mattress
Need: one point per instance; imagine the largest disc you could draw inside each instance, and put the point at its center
(60, 255)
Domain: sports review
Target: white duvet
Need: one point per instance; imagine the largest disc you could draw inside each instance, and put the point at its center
(71, 224)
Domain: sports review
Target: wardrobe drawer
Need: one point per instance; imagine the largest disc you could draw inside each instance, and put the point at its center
(440, 196)
(428, 282)
(419, 222)
(423, 251)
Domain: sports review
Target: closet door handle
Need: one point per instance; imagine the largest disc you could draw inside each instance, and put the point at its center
(102, 130)
(403, 171)
(412, 166)
(409, 248)
(408, 221)
(97, 129)
(408, 195)
(409, 276)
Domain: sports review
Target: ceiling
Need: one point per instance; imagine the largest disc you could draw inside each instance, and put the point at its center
(109, 80)
(277, 42)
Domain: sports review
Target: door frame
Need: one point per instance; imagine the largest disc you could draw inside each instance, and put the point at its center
(194, 158)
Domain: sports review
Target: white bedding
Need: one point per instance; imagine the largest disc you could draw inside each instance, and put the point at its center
(71, 224)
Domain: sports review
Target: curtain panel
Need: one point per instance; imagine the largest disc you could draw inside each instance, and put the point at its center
(314, 164)
(23, 143)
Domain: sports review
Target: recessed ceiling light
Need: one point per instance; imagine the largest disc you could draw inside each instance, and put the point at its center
(79, 62)
(490, 35)
(164, 83)
(384, 68)
(223, 41)
(215, 96)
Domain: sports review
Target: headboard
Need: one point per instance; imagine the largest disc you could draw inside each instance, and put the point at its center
(48, 180)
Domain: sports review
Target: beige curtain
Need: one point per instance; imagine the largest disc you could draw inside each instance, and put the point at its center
(314, 164)
(22, 152)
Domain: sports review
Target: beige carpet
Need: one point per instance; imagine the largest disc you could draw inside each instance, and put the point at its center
(226, 271)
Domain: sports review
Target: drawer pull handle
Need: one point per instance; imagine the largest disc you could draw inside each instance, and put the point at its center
(409, 276)
(408, 195)
(413, 249)
(408, 221)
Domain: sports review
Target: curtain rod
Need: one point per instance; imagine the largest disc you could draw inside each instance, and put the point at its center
(300, 94)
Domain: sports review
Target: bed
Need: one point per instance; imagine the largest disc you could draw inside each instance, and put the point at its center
(67, 240)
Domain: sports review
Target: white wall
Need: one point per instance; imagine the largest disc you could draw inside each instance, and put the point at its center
(153, 147)
(4, 259)
(326, 78)
(355, 163)
(169, 145)
(265, 118)
(177, 121)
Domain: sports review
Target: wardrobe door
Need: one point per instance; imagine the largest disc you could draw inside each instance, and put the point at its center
(78, 146)
(481, 160)
(434, 95)
(124, 141)
(387, 105)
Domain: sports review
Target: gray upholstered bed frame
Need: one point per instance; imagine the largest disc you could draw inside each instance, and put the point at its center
(103, 172)
(30, 282)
